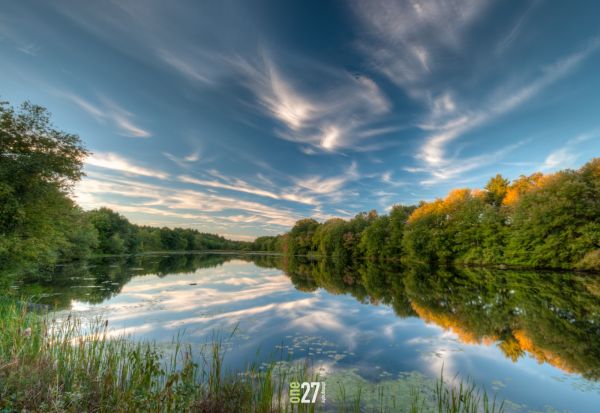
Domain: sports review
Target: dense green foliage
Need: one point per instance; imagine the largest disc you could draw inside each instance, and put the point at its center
(40, 223)
(116, 235)
(542, 221)
(38, 165)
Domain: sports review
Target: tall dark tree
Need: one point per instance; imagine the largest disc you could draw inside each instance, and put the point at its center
(38, 166)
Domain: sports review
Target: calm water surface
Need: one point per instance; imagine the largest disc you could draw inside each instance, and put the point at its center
(533, 338)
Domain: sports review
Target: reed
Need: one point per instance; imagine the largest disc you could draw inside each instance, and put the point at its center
(464, 397)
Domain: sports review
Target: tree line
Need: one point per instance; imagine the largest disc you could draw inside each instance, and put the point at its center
(93, 284)
(40, 223)
(550, 220)
(540, 220)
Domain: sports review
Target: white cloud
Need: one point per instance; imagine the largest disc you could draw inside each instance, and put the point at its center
(444, 104)
(128, 128)
(332, 185)
(326, 190)
(560, 158)
(284, 102)
(319, 185)
(83, 104)
(452, 170)
(447, 129)
(516, 29)
(189, 70)
(388, 178)
(193, 157)
(281, 83)
(216, 184)
(242, 186)
(584, 137)
(113, 161)
(327, 119)
(187, 161)
(566, 156)
(403, 38)
(109, 111)
(31, 49)
(331, 135)
(96, 190)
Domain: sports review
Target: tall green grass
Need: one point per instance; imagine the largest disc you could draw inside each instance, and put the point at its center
(463, 398)
(66, 365)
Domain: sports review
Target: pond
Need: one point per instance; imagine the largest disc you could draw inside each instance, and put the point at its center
(532, 338)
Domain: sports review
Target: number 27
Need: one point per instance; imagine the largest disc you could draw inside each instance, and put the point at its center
(306, 386)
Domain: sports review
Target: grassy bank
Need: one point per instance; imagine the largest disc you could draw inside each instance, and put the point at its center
(70, 365)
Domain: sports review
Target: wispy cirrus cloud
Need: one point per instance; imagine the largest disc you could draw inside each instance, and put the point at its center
(452, 170)
(128, 195)
(410, 41)
(420, 95)
(328, 185)
(445, 129)
(85, 105)
(188, 69)
(185, 162)
(125, 124)
(327, 190)
(240, 185)
(403, 39)
(324, 119)
(516, 28)
(336, 118)
(23, 44)
(108, 111)
(312, 189)
(116, 162)
(31, 49)
(567, 155)
(560, 158)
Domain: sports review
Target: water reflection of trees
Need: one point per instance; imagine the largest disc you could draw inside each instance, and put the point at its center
(554, 317)
(95, 281)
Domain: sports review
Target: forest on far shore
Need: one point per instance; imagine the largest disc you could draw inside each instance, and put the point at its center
(539, 221)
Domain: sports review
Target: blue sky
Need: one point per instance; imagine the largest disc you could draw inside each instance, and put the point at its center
(240, 117)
